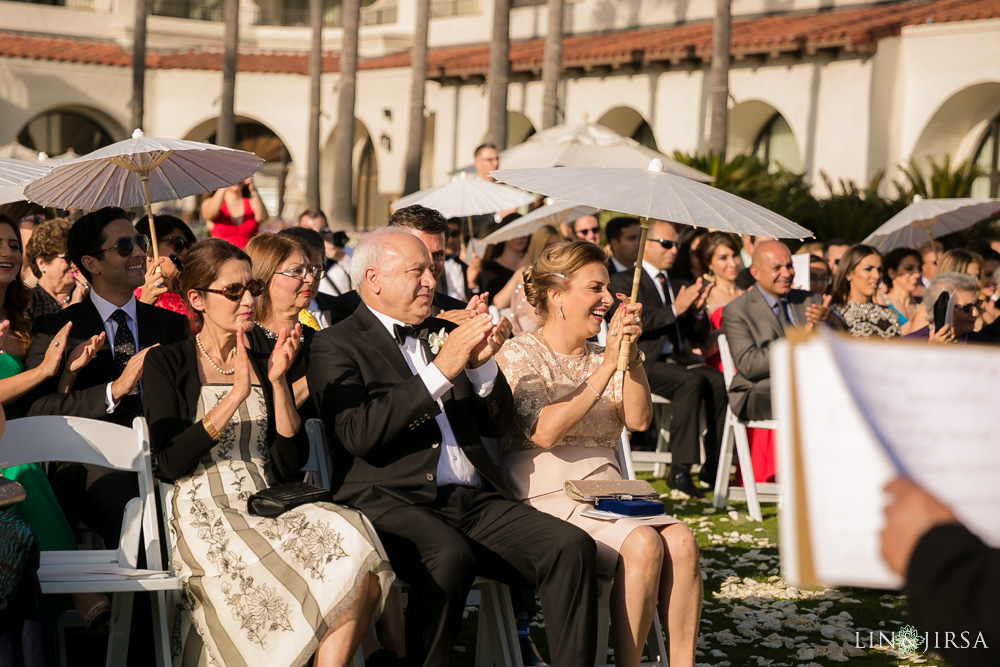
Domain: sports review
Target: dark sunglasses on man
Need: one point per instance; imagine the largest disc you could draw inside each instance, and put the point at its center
(235, 291)
(666, 243)
(125, 245)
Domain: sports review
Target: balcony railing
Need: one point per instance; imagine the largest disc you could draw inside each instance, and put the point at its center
(378, 14)
(96, 6)
(443, 8)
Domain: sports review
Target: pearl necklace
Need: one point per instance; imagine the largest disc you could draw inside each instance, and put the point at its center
(201, 348)
(562, 369)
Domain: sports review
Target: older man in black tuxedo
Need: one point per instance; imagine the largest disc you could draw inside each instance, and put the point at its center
(408, 399)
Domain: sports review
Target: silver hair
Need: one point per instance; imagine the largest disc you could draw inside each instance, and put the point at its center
(367, 253)
(948, 282)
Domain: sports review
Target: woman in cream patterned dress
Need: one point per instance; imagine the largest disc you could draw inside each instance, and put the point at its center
(223, 426)
(570, 406)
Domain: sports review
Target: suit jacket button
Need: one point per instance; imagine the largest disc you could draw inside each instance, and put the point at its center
(435, 445)
(430, 477)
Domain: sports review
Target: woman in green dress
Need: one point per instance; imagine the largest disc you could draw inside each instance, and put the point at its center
(40, 509)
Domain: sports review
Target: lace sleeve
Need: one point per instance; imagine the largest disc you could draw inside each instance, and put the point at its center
(530, 384)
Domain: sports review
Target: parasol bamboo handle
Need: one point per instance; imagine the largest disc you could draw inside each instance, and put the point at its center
(149, 213)
(626, 348)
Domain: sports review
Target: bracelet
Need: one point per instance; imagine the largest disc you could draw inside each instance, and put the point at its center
(213, 432)
(593, 391)
(635, 363)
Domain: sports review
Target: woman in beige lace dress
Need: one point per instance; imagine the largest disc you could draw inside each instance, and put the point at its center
(571, 404)
(223, 425)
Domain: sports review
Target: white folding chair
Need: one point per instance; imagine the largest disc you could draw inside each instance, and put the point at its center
(658, 460)
(114, 571)
(496, 643)
(655, 644)
(754, 493)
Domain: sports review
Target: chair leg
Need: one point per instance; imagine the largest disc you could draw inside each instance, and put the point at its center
(663, 415)
(746, 469)
(655, 642)
(161, 627)
(121, 627)
(497, 628)
(721, 493)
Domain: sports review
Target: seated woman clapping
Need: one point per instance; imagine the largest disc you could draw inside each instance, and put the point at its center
(570, 405)
(223, 426)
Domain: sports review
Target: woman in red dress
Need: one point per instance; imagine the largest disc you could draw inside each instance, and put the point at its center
(234, 213)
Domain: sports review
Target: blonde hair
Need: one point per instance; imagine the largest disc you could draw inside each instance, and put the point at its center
(552, 270)
(538, 242)
(267, 252)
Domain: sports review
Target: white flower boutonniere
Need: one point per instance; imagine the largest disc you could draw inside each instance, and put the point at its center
(436, 340)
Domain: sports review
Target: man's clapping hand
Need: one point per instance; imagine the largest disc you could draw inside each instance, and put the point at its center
(458, 347)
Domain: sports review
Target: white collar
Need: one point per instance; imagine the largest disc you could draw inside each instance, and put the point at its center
(618, 265)
(650, 269)
(105, 308)
(388, 322)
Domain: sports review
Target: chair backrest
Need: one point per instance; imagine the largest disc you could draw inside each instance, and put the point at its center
(728, 365)
(319, 463)
(624, 455)
(80, 440)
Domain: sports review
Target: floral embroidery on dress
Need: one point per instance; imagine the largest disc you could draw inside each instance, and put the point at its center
(258, 609)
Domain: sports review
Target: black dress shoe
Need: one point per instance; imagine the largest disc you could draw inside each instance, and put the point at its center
(707, 475)
(681, 481)
(529, 653)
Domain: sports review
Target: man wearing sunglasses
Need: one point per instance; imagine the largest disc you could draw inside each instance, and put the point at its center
(673, 326)
(111, 255)
(586, 228)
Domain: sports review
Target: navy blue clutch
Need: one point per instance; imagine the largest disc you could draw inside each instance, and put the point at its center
(635, 507)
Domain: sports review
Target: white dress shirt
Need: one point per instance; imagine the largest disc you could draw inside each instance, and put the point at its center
(654, 273)
(340, 275)
(106, 309)
(619, 267)
(318, 315)
(454, 276)
(454, 466)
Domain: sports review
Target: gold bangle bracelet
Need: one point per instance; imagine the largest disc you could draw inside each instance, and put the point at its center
(206, 421)
(636, 363)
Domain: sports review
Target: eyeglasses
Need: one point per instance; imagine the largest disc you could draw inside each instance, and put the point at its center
(235, 291)
(588, 232)
(300, 272)
(969, 307)
(125, 245)
(454, 233)
(64, 257)
(177, 243)
(667, 245)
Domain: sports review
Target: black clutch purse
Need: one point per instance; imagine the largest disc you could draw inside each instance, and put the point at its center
(277, 500)
(11, 493)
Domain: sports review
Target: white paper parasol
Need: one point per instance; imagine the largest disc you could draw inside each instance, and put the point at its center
(925, 219)
(553, 214)
(464, 196)
(14, 174)
(140, 171)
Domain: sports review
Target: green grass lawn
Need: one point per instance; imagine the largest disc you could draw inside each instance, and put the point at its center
(751, 617)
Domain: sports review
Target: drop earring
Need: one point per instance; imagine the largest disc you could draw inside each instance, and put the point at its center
(560, 312)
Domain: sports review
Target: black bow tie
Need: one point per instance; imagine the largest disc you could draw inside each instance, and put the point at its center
(403, 331)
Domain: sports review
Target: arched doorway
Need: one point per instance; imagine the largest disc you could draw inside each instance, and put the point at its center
(629, 123)
(987, 154)
(62, 130)
(757, 128)
(270, 180)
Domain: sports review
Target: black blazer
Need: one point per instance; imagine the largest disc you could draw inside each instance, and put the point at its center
(155, 325)
(385, 442)
(659, 322)
(170, 399)
(325, 302)
(344, 305)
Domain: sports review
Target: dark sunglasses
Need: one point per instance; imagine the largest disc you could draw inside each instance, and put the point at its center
(177, 243)
(125, 245)
(969, 307)
(235, 291)
(454, 233)
(592, 230)
(667, 245)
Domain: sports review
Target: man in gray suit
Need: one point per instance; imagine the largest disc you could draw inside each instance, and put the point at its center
(760, 316)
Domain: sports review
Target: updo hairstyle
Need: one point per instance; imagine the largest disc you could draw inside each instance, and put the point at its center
(204, 261)
(553, 269)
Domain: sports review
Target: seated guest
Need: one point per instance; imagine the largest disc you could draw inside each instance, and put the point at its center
(952, 578)
(173, 240)
(570, 404)
(854, 288)
(460, 278)
(502, 260)
(721, 258)
(819, 275)
(408, 417)
(675, 323)
(223, 426)
(40, 508)
(688, 265)
(623, 243)
(957, 260)
(111, 255)
(988, 288)
(316, 315)
(337, 263)
(59, 281)
(901, 275)
(430, 227)
(512, 299)
(761, 316)
(834, 250)
(587, 228)
(962, 328)
(24, 633)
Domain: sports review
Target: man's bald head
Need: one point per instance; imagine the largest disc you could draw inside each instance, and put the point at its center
(772, 268)
(394, 274)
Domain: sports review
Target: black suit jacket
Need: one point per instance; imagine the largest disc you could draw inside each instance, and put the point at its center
(170, 400)
(155, 325)
(344, 305)
(659, 323)
(385, 442)
(326, 303)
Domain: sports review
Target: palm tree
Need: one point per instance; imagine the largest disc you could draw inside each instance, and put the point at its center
(415, 140)
(944, 181)
(342, 212)
(551, 65)
(225, 134)
(499, 74)
(139, 62)
(315, 74)
(718, 79)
